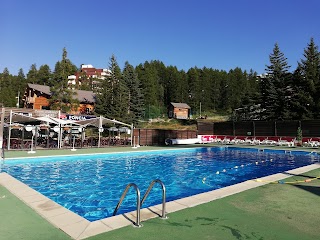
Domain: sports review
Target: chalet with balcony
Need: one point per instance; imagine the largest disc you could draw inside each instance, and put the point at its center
(37, 97)
(179, 111)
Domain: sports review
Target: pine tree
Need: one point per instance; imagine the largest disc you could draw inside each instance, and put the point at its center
(149, 78)
(269, 98)
(310, 80)
(7, 92)
(224, 103)
(135, 104)
(62, 97)
(103, 98)
(112, 94)
(302, 106)
(32, 75)
(182, 81)
(237, 78)
(172, 85)
(277, 91)
(119, 90)
(195, 89)
(161, 86)
(251, 95)
(44, 75)
(205, 93)
(217, 79)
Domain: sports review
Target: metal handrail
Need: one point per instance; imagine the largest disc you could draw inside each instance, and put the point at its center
(2, 159)
(163, 196)
(2, 153)
(138, 202)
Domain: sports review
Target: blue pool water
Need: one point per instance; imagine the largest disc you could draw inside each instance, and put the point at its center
(91, 185)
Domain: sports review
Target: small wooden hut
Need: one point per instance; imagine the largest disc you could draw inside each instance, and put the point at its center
(179, 110)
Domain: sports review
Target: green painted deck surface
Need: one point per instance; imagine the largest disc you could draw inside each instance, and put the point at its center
(18, 221)
(274, 211)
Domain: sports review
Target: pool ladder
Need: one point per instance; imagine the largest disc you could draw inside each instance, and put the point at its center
(2, 159)
(139, 203)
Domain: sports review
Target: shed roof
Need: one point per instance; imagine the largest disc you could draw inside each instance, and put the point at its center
(180, 105)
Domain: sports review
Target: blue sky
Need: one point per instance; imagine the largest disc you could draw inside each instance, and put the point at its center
(219, 34)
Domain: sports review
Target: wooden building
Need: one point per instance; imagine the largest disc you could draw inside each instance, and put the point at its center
(179, 111)
(37, 97)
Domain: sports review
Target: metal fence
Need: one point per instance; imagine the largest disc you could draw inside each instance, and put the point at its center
(310, 128)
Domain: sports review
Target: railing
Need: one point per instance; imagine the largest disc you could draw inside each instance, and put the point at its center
(2, 153)
(163, 196)
(138, 202)
(2, 159)
(143, 199)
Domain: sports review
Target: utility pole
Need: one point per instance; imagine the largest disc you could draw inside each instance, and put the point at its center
(1, 128)
(18, 100)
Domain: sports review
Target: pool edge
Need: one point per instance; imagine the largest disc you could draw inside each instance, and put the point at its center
(79, 228)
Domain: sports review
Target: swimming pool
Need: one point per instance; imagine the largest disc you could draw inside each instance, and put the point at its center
(91, 185)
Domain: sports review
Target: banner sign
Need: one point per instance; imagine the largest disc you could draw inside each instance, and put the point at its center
(76, 117)
(28, 114)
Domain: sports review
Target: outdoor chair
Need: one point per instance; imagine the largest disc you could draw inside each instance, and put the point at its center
(314, 143)
(241, 139)
(225, 140)
(271, 141)
(288, 142)
(213, 139)
(250, 141)
(218, 139)
(237, 140)
(259, 140)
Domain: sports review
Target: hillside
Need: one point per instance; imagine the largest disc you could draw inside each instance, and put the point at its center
(174, 124)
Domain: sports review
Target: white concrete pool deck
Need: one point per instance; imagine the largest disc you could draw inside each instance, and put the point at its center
(79, 228)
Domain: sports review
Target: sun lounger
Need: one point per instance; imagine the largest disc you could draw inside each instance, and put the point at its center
(287, 141)
(226, 140)
(249, 141)
(234, 140)
(314, 143)
(271, 141)
(311, 142)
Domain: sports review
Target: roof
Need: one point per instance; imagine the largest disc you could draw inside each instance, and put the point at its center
(180, 105)
(16, 117)
(41, 88)
(82, 95)
(99, 121)
(85, 96)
